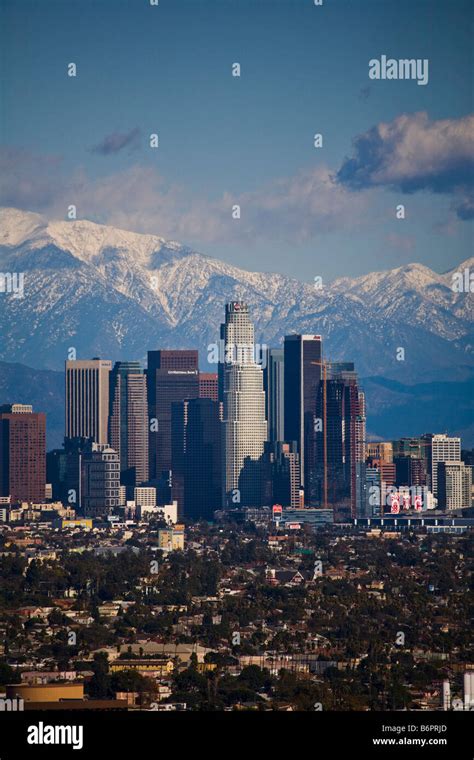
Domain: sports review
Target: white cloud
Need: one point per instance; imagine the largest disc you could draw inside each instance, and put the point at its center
(413, 153)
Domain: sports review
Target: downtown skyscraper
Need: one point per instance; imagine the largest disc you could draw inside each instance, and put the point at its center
(197, 457)
(87, 399)
(340, 441)
(244, 425)
(440, 448)
(172, 375)
(274, 386)
(128, 422)
(302, 378)
(22, 453)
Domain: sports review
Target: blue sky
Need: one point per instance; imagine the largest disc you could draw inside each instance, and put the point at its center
(248, 140)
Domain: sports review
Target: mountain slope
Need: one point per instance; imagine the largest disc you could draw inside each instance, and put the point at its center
(112, 293)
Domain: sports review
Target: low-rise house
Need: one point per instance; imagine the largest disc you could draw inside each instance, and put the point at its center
(284, 577)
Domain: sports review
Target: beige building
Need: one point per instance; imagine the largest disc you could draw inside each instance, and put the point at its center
(87, 399)
(49, 692)
(443, 449)
(454, 485)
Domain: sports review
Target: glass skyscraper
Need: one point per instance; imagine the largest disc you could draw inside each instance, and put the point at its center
(128, 421)
(302, 378)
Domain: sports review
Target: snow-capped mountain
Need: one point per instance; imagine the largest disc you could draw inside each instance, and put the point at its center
(116, 294)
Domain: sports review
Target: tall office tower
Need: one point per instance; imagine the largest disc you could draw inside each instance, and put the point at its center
(245, 426)
(302, 379)
(87, 399)
(197, 457)
(179, 421)
(379, 450)
(281, 474)
(440, 448)
(454, 485)
(273, 384)
(340, 454)
(208, 385)
(100, 480)
(22, 453)
(171, 376)
(358, 485)
(128, 422)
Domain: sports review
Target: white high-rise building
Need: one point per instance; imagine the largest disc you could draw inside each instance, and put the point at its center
(245, 425)
(443, 449)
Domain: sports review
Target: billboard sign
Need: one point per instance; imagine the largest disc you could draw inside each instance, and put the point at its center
(277, 511)
(395, 503)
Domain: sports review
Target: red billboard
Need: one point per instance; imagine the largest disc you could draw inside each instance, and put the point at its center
(277, 511)
(395, 503)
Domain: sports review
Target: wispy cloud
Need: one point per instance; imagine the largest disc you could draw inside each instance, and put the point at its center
(117, 141)
(412, 153)
(296, 208)
(408, 154)
(27, 180)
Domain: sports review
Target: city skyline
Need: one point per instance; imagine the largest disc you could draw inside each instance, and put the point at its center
(146, 421)
(236, 374)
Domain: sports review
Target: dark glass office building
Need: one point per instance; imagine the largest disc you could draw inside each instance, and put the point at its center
(340, 442)
(302, 379)
(171, 376)
(128, 422)
(273, 385)
(197, 457)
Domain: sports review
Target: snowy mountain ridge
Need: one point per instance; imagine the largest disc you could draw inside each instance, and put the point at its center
(117, 294)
